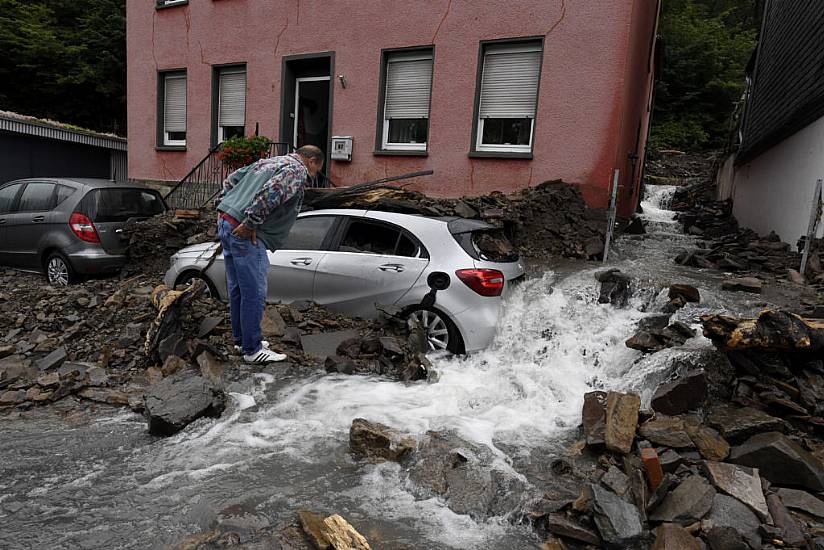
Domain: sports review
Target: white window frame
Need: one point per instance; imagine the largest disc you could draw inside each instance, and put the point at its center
(411, 56)
(221, 137)
(296, 114)
(167, 141)
(513, 47)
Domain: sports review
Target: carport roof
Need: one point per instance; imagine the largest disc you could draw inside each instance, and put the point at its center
(31, 126)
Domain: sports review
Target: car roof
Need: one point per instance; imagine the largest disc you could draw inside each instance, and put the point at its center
(90, 183)
(455, 223)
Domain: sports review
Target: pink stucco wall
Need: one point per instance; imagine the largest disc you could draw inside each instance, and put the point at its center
(594, 88)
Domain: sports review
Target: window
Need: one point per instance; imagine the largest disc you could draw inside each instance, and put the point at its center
(173, 109)
(508, 97)
(231, 102)
(63, 193)
(121, 204)
(7, 195)
(408, 86)
(37, 197)
(374, 238)
(308, 233)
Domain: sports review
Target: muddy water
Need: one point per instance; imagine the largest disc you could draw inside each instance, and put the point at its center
(101, 482)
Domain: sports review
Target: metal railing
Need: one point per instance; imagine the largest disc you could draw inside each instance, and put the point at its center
(204, 181)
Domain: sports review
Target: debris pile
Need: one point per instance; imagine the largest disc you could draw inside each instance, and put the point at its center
(668, 167)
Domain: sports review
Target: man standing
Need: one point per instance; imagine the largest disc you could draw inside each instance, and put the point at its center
(258, 206)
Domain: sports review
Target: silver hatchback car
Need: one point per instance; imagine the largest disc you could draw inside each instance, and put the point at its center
(351, 260)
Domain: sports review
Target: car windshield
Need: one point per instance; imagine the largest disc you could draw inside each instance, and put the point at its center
(118, 205)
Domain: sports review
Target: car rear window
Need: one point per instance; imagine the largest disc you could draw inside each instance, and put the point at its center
(119, 205)
(490, 245)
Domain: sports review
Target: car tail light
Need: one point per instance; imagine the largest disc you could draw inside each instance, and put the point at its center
(83, 227)
(486, 282)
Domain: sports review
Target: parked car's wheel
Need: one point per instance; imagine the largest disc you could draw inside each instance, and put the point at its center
(59, 271)
(441, 332)
(188, 277)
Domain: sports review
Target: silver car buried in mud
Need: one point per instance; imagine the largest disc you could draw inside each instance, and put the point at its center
(352, 260)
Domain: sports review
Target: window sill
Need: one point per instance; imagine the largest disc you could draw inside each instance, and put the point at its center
(170, 148)
(172, 5)
(500, 155)
(399, 153)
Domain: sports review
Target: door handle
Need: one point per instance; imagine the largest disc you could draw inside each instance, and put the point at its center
(301, 261)
(2, 221)
(392, 267)
(38, 219)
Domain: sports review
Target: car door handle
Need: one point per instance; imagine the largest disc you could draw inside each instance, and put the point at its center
(392, 267)
(38, 219)
(2, 221)
(301, 261)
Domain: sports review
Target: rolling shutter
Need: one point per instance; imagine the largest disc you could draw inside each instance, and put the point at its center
(232, 98)
(408, 85)
(509, 86)
(174, 104)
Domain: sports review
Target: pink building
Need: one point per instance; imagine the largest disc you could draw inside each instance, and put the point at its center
(492, 95)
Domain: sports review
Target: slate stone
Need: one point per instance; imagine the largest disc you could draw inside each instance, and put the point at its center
(790, 531)
(742, 483)
(272, 325)
(211, 369)
(688, 292)
(207, 325)
(679, 396)
(594, 418)
(292, 336)
(745, 284)
(730, 512)
(618, 521)
(709, 442)
(780, 460)
(725, 538)
(670, 460)
(616, 480)
(379, 442)
(669, 431)
(737, 424)
(52, 360)
(688, 503)
(671, 536)
(621, 419)
(177, 401)
(326, 343)
(559, 524)
(801, 500)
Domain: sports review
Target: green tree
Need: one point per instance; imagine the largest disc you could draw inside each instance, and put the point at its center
(65, 60)
(707, 46)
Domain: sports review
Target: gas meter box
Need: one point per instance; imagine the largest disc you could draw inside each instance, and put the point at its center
(342, 148)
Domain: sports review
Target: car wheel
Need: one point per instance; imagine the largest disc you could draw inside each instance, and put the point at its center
(59, 271)
(441, 332)
(187, 278)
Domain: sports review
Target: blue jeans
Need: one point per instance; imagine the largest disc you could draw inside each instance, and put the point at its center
(246, 268)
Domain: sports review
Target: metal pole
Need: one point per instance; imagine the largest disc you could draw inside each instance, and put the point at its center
(812, 228)
(612, 212)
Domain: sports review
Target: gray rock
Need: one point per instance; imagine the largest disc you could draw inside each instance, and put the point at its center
(679, 396)
(616, 480)
(670, 460)
(211, 369)
(780, 460)
(174, 344)
(790, 531)
(326, 343)
(272, 325)
(742, 483)
(669, 431)
(615, 287)
(688, 292)
(802, 500)
(725, 538)
(688, 503)
(464, 210)
(97, 376)
(671, 536)
(175, 402)
(737, 424)
(617, 520)
(729, 512)
(293, 337)
(52, 360)
(378, 442)
(745, 284)
(207, 325)
(468, 476)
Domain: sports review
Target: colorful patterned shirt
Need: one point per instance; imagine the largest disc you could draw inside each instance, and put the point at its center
(276, 179)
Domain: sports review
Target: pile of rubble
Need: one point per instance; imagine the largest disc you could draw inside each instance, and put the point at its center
(550, 219)
(669, 167)
(105, 341)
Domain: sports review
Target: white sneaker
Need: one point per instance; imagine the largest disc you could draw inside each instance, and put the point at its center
(263, 343)
(264, 356)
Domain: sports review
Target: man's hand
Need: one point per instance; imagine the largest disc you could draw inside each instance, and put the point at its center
(243, 232)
